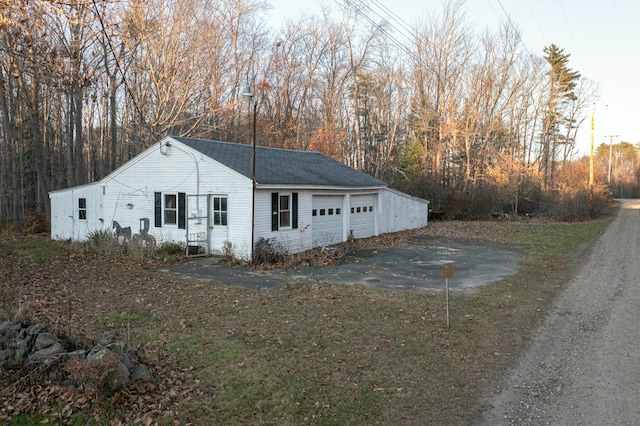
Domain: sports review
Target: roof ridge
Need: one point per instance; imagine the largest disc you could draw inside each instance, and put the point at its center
(241, 144)
(282, 166)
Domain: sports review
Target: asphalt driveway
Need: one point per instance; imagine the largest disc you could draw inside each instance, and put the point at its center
(416, 266)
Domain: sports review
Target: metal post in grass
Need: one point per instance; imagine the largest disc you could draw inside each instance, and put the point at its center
(447, 272)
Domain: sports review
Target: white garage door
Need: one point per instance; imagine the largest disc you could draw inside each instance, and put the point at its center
(326, 216)
(363, 215)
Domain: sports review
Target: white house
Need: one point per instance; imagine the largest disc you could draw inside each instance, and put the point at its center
(200, 193)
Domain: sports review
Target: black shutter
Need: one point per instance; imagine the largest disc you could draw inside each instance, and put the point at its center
(182, 208)
(294, 210)
(274, 211)
(158, 209)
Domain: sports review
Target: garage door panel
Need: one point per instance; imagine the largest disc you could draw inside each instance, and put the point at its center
(363, 215)
(327, 220)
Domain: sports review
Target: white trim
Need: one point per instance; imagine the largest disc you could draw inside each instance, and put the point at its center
(327, 189)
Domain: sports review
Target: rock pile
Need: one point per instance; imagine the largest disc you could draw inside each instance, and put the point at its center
(22, 344)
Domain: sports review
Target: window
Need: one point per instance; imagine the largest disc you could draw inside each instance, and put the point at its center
(314, 212)
(337, 211)
(82, 208)
(358, 209)
(170, 209)
(364, 209)
(370, 208)
(330, 211)
(220, 211)
(284, 212)
(351, 210)
(322, 212)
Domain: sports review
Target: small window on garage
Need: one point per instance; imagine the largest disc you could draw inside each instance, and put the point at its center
(314, 212)
(337, 211)
(351, 210)
(358, 209)
(284, 211)
(330, 211)
(322, 212)
(82, 208)
(370, 208)
(364, 209)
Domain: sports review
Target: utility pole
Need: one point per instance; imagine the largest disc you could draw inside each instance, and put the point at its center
(611, 137)
(593, 118)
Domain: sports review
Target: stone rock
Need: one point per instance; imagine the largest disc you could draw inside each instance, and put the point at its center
(36, 343)
(48, 353)
(120, 350)
(5, 325)
(141, 372)
(117, 349)
(37, 328)
(44, 340)
(117, 378)
(21, 348)
(79, 354)
(97, 353)
(10, 329)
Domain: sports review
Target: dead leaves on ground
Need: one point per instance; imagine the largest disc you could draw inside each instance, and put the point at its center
(79, 288)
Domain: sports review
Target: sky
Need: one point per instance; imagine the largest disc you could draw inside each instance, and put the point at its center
(602, 37)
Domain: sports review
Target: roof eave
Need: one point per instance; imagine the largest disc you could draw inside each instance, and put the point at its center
(320, 187)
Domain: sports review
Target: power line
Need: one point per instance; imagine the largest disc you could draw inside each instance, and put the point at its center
(380, 26)
(514, 27)
(124, 76)
(535, 18)
(406, 27)
(395, 17)
(573, 40)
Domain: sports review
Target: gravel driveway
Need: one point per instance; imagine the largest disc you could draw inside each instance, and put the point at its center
(583, 366)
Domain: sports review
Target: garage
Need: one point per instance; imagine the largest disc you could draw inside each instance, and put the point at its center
(327, 220)
(363, 223)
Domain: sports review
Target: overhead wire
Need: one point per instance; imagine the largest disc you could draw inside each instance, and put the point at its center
(407, 30)
(395, 17)
(513, 27)
(380, 26)
(535, 18)
(573, 40)
(117, 62)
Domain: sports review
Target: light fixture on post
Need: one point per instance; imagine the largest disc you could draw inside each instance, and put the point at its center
(248, 97)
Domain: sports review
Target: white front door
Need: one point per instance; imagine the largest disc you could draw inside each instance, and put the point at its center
(218, 223)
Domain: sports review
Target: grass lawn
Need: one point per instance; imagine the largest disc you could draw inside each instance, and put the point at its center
(305, 353)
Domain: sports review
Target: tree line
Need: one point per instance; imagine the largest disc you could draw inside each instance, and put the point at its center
(445, 112)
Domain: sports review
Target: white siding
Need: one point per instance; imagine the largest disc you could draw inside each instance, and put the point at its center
(130, 192)
(129, 196)
(65, 220)
(296, 240)
(398, 211)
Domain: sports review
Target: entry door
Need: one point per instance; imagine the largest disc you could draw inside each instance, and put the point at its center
(197, 224)
(218, 222)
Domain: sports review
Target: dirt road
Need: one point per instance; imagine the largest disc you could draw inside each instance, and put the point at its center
(583, 366)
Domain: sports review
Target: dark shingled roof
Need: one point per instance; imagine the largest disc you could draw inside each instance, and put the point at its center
(282, 166)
